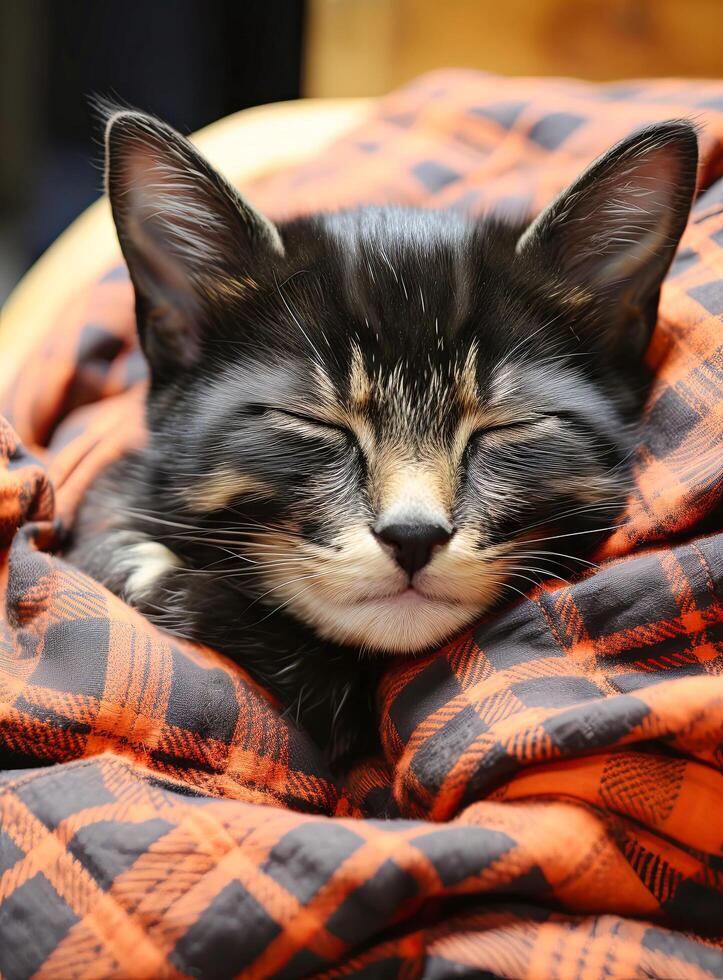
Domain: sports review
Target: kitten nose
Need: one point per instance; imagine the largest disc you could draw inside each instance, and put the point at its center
(412, 542)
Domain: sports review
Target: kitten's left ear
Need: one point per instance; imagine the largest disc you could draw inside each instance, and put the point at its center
(183, 230)
(614, 231)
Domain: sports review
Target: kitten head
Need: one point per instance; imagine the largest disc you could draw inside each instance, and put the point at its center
(382, 421)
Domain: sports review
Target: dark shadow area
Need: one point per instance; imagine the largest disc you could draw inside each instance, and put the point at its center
(189, 61)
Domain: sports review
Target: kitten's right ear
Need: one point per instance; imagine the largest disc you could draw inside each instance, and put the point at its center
(183, 230)
(615, 230)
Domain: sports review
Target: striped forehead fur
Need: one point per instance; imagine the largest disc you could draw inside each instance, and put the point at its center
(413, 392)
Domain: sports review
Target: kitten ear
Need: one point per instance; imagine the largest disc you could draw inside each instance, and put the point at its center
(614, 231)
(182, 229)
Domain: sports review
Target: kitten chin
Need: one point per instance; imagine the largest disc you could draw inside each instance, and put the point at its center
(369, 428)
(404, 624)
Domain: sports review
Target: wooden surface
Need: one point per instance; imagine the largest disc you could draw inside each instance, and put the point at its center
(244, 146)
(367, 47)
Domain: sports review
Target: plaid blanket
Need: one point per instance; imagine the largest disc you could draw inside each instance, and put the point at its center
(550, 798)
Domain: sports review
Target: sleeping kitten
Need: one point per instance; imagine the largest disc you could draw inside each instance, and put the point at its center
(368, 428)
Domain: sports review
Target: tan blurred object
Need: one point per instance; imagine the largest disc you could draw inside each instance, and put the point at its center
(367, 47)
(244, 146)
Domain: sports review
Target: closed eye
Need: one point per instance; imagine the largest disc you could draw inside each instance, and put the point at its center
(513, 426)
(312, 421)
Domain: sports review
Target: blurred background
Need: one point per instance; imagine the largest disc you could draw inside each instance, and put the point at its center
(193, 61)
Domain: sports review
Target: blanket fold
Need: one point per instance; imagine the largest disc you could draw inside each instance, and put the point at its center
(549, 802)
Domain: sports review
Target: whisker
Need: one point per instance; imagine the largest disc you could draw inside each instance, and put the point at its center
(574, 534)
(557, 554)
(280, 607)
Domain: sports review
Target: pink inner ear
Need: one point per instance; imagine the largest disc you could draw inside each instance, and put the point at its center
(163, 269)
(621, 220)
(174, 217)
(636, 219)
(166, 279)
(138, 165)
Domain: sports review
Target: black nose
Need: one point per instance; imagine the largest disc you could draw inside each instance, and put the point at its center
(412, 543)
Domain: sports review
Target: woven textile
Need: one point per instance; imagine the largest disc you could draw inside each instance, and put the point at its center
(549, 802)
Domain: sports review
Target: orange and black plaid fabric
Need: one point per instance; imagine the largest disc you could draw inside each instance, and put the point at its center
(549, 803)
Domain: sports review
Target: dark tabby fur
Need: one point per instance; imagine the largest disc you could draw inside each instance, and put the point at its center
(368, 428)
